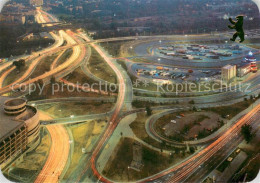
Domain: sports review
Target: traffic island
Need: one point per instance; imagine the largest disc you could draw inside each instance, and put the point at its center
(118, 167)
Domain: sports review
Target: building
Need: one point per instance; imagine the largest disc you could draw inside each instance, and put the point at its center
(250, 57)
(228, 73)
(36, 2)
(19, 130)
(15, 13)
(243, 69)
(253, 67)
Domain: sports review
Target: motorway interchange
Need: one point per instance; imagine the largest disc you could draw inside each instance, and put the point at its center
(194, 168)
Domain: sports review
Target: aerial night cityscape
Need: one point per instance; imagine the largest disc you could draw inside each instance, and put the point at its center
(130, 91)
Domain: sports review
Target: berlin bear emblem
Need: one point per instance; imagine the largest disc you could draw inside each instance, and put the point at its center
(238, 26)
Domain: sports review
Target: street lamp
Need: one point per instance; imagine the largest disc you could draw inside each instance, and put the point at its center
(128, 172)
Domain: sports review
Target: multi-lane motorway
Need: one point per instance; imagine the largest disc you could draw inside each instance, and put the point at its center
(197, 165)
(58, 155)
(184, 170)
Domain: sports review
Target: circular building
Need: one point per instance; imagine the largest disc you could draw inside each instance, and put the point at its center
(14, 106)
(19, 132)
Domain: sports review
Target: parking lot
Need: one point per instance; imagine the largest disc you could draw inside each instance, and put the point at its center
(200, 52)
(174, 74)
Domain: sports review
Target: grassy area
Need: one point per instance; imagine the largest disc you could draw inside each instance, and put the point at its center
(138, 127)
(153, 162)
(100, 68)
(231, 110)
(65, 56)
(58, 91)
(113, 48)
(143, 104)
(44, 65)
(251, 165)
(34, 160)
(66, 109)
(84, 136)
(15, 74)
(78, 76)
(251, 168)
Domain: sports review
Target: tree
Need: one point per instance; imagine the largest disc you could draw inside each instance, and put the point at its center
(192, 150)
(19, 64)
(191, 102)
(251, 97)
(148, 111)
(246, 130)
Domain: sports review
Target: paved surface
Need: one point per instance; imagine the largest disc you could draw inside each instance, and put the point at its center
(57, 157)
(219, 148)
(151, 120)
(232, 168)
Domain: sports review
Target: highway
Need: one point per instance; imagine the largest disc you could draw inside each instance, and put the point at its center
(113, 120)
(36, 59)
(58, 155)
(79, 52)
(59, 151)
(183, 170)
(149, 125)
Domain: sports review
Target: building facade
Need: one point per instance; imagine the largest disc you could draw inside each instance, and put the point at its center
(243, 69)
(19, 130)
(228, 73)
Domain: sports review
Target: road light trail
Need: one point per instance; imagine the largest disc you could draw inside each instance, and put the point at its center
(76, 56)
(199, 158)
(58, 42)
(57, 157)
(113, 121)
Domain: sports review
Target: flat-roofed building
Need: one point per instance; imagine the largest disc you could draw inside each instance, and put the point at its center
(19, 129)
(243, 69)
(228, 73)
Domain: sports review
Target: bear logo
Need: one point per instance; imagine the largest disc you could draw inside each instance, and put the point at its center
(238, 26)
